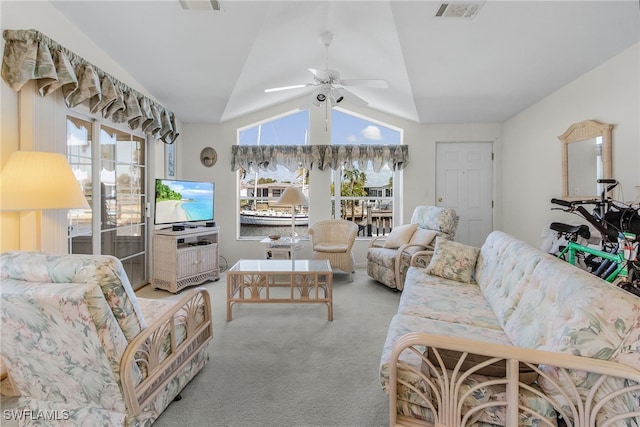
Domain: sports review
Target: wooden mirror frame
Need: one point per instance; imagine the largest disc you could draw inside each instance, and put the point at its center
(583, 131)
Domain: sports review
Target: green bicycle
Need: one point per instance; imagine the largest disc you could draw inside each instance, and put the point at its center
(616, 270)
(619, 224)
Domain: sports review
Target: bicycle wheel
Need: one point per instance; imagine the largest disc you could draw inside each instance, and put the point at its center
(631, 287)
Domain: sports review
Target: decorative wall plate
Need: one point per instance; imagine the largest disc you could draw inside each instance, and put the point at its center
(208, 157)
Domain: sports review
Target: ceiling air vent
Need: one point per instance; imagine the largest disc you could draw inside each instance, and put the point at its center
(200, 4)
(467, 10)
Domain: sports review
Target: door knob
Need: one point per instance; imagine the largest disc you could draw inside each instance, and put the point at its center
(439, 199)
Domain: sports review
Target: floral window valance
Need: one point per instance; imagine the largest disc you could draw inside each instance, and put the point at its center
(30, 55)
(268, 157)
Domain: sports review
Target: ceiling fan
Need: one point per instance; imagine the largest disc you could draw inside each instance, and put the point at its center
(329, 87)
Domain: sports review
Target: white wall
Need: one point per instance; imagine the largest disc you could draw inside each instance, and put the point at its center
(531, 166)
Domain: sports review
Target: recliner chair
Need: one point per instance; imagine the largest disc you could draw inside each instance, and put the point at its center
(77, 340)
(388, 257)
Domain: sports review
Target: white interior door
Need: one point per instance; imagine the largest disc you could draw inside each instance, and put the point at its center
(464, 183)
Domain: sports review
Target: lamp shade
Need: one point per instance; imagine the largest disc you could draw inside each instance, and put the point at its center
(33, 180)
(292, 196)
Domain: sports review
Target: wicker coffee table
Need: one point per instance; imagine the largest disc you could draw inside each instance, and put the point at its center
(280, 281)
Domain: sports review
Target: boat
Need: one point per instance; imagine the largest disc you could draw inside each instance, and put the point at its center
(271, 217)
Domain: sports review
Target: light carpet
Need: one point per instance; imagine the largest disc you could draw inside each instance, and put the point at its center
(287, 365)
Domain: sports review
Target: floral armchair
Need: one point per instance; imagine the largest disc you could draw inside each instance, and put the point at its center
(77, 342)
(389, 257)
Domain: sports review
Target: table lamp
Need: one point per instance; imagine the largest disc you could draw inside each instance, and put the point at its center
(35, 181)
(292, 196)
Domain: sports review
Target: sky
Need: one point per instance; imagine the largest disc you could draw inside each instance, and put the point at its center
(345, 129)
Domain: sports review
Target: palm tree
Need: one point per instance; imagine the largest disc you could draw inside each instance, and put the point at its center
(302, 173)
(353, 181)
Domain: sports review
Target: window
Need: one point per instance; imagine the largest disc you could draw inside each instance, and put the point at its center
(122, 181)
(364, 191)
(366, 195)
(117, 180)
(79, 149)
(259, 215)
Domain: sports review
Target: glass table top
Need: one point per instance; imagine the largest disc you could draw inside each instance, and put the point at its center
(280, 265)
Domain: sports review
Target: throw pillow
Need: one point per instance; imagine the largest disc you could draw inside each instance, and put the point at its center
(453, 260)
(399, 236)
(421, 237)
(496, 370)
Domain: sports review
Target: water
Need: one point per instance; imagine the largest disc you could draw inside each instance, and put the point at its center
(264, 231)
(198, 199)
(198, 210)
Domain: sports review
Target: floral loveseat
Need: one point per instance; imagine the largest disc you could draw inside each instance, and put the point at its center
(508, 335)
(81, 349)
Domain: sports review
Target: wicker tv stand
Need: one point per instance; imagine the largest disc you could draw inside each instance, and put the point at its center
(185, 258)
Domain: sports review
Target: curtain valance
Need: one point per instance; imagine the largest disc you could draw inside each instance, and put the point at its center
(267, 157)
(30, 55)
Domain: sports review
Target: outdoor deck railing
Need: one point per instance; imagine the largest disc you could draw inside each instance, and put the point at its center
(374, 215)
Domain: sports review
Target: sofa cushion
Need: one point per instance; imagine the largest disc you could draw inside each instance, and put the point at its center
(421, 237)
(504, 269)
(333, 247)
(445, 300)
(103, 270)
(453, 260)
(592, 318)
(400, 235)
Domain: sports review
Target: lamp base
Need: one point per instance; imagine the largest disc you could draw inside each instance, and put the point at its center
(293, 223)
(31, 231)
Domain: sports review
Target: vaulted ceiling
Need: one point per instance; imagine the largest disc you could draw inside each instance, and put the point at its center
(210, 66)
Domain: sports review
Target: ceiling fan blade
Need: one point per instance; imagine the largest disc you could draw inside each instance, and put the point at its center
(325, 76)
(308, 101)
(277, 89)
(376, 83)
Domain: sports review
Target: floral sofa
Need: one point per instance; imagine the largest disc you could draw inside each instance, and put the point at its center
(508, 335)
(81, 349)
(388, 257)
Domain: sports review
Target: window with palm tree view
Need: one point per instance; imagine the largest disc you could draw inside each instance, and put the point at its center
(366, 193)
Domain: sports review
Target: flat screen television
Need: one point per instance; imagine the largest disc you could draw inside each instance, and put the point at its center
(181, 202)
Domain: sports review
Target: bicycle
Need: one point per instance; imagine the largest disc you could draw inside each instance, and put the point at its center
(616, 261)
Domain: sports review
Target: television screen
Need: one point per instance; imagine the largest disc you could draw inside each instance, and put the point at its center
(184, 201)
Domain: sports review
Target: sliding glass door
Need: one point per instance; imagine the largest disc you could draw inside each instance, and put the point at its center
(113, 177)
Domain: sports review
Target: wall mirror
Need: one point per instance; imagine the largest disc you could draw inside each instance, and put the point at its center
(586, 157)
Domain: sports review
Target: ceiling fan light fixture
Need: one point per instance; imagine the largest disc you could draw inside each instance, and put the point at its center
(321, 95)
(336, 97)
(315, 99)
